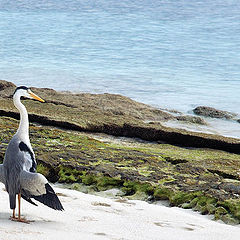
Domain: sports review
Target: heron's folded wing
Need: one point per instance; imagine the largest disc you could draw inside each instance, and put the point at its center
(2, 178)
(35, 185)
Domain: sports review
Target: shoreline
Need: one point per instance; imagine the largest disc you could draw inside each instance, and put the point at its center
(93, 217)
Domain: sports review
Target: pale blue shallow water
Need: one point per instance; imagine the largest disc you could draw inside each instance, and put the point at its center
(171, 53)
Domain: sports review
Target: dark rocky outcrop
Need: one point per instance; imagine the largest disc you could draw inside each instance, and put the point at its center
(213, 113)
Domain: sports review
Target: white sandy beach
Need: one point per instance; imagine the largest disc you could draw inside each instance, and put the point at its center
(92, 217)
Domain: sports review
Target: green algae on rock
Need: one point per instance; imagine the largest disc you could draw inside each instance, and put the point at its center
(188, 178)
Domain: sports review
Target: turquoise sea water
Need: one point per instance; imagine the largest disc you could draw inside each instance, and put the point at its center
(170, 53)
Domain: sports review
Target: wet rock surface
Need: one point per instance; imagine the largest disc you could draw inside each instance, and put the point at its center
(213, 113)
(191, 119)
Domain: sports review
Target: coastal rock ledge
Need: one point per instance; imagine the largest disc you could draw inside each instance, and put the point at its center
(111, 114)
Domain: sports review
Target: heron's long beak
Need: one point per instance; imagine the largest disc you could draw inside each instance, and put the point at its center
(34, 96)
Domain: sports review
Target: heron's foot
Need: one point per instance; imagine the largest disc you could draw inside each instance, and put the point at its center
(22, 220)
(13, 218)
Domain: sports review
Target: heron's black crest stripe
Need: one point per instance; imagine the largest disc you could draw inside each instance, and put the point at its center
(23, 147)
(21, 87)
(50, 199)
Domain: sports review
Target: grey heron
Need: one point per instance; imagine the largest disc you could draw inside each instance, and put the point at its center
(18, 171)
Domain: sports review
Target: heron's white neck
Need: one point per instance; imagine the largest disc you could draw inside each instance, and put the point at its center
(23, 129)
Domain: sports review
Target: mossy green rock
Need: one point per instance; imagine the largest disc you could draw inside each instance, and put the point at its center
(79, 187)
(163, 193)
(222, 214)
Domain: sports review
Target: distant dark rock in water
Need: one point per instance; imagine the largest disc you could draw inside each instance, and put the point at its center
(191, 119)
(213, 113)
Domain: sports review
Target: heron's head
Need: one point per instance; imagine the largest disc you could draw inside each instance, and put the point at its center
(27, 93)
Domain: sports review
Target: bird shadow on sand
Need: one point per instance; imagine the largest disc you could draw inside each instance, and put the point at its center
(5, 217)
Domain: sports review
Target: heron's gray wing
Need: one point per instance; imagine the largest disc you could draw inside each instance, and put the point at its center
(35, 185)
(2, 178)
(18, 156)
